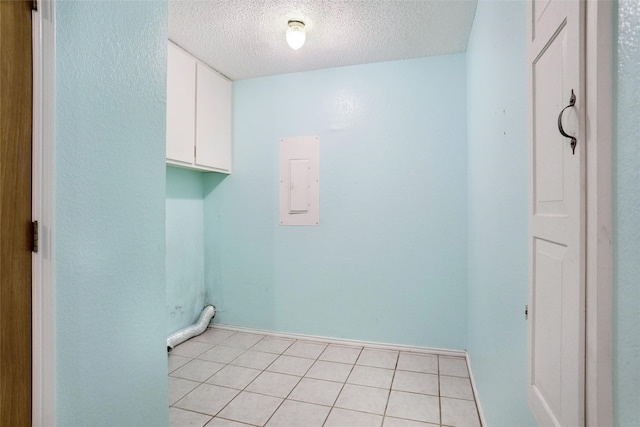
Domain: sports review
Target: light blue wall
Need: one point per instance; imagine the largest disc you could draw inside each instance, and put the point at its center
(388, 262)
(498, 282)
(383, 265)
(496, 48)
(185, 247)
(626, 217)
(110, 221)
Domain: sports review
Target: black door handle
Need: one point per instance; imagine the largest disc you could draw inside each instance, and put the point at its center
(572, 102)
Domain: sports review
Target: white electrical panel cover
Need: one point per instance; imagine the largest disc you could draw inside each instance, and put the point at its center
(300, 180)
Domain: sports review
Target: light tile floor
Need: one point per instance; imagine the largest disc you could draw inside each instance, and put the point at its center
(237, 379)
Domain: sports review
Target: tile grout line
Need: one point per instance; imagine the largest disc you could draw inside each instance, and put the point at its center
(192, 358)
(342, 388)
(233, 421)
(294, 387)
(245, 387)
(204, 382)
(194, 412)
(393, 377)
(327, 346)
(439, 392)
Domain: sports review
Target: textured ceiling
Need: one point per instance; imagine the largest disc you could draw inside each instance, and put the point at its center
(246, 38)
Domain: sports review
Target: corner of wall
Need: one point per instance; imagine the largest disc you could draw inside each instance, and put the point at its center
(110, 213)
(497, 220)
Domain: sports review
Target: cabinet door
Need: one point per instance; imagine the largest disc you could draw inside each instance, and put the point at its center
(181, 106)
(213, 120)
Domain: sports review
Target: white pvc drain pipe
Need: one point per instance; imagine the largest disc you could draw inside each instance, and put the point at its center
(191, 331)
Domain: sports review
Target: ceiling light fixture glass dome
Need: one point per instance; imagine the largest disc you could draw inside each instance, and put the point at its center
(296, 35)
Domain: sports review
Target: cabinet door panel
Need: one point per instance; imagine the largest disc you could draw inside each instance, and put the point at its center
(213, 120)
(181, 105)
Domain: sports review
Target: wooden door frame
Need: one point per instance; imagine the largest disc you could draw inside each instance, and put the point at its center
(43, 190)
(15, 188)
(599, 252)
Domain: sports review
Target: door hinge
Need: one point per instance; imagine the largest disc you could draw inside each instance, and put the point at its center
(526, 312)
(34, 226)
(34, 5)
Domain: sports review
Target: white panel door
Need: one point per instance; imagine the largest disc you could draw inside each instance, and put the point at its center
(557, 220)
(181, 105)
(213, 120)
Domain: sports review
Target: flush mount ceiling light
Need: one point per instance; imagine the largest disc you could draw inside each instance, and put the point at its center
(296, 34)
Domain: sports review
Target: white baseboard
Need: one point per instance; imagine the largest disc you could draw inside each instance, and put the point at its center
(370, 344)
(483, 422)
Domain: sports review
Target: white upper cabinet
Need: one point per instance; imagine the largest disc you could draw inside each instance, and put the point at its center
(213, 119)
(199, 103)
(181, 106)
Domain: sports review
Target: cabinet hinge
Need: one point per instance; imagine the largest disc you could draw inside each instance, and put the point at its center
(34, 226)
(526, 312)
